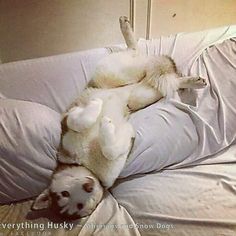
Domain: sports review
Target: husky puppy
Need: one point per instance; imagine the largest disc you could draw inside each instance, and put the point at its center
(97, 137)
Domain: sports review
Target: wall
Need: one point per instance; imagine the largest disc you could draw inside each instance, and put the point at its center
(172, 16)
(154, 18)
(36, 28)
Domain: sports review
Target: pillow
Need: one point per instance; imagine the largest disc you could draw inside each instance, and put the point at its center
(174, 134)
(165, 135)
(53, 81)
(29, 137)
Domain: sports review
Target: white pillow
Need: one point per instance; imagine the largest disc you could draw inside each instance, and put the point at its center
(29, 138)
(165, 135)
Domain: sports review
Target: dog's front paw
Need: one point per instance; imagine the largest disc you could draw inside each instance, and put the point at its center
(80, 119)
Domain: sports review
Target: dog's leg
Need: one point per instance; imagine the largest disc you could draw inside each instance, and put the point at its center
(64, 156)
(115, 140)
(80, 118)
(141, 96)
(192, 82)
(127, 33)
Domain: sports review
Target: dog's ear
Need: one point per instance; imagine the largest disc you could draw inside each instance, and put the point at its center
(89, 185)
(42, 201)
(64, 127)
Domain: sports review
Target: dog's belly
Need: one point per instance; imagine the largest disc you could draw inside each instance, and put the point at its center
(119, 69)
(86, 149)
(85, 145)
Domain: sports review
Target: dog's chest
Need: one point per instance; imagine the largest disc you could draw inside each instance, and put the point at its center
(80, 145)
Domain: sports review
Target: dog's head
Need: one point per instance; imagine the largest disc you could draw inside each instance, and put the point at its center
(73, 193)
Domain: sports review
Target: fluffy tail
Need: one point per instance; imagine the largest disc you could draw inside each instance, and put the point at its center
(167, 85)
(161, 74)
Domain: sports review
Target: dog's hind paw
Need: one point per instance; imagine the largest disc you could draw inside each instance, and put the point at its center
(124, 23)
(107, 131)
(193, 82)
(123, 19)
(198, 82)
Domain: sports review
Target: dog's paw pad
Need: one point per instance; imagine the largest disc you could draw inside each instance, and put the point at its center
(124, 23)
(123, 19)
(201, 82)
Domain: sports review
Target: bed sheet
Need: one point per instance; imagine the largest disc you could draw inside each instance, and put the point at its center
(208, 125)
(63, 77)
(189, 201)
(109, 217)
(186, 201)
(193, 197)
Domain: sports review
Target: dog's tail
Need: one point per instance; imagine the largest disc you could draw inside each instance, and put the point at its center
(162, 74)
(166, 84)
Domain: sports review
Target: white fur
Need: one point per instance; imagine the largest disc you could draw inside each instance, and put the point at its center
(71, 180)
(104, 144)
(118, 69)
(80, 118)
(104, 147)
(99, 135)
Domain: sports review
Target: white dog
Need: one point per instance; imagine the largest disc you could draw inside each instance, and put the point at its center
(97, 135)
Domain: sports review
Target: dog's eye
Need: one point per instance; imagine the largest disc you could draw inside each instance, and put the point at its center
(65, 194)
(80, 206)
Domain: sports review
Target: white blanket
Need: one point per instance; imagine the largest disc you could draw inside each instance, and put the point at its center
(198, 200)
(167, 134)
(195, 124)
